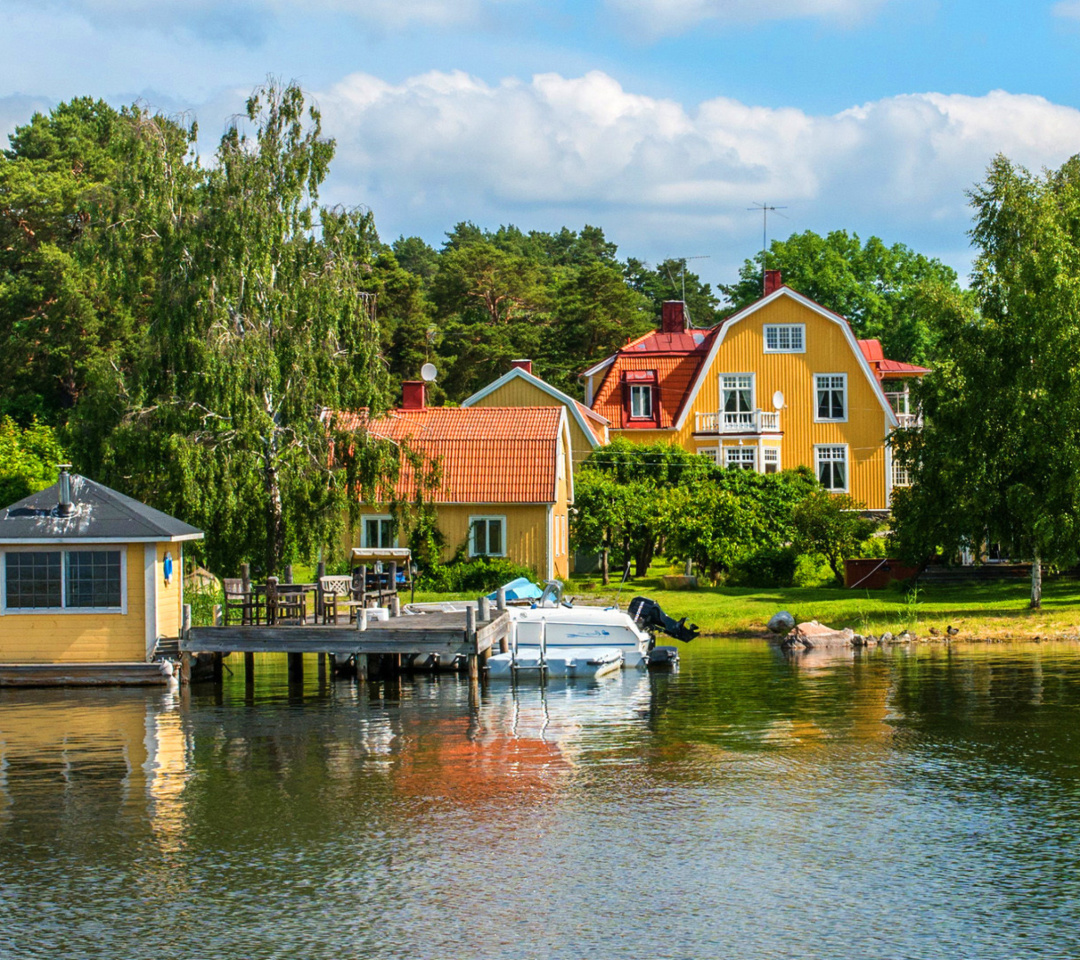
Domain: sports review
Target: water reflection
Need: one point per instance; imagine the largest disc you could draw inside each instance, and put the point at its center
(887, 804)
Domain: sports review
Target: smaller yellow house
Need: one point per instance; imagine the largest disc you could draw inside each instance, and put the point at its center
(520, 387)
(88, 576)
(505, 484)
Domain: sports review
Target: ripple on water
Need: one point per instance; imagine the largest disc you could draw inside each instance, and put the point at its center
(880, 806)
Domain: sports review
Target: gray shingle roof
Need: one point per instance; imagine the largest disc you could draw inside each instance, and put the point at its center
(100, 514)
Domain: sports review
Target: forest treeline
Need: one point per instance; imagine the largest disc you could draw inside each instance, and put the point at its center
(183, 323)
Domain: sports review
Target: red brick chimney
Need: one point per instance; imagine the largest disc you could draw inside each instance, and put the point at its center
(412, 395)
(673, 316)
(525, 365)
(772, 281)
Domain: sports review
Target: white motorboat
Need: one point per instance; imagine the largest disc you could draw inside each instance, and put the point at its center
(562, 640)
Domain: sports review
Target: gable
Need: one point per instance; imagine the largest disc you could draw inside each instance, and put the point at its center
(830, 346)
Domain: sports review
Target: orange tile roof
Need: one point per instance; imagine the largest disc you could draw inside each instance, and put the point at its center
(594, 420)
(486, 454)
(676, 358)
(883, 367)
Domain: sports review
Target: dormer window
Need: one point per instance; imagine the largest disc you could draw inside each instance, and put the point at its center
(641, 404)
(641, 400)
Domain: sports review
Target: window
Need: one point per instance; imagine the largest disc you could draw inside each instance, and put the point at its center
(831, 396)
(740, 458)
(737, 399)
(711, 452)
(64, 580)
(832, 467)
(785, 338)
(640, 401)
(770, 457)
(487, 537)
(377, 531)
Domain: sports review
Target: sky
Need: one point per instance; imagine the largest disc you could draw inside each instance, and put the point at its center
(665, 122)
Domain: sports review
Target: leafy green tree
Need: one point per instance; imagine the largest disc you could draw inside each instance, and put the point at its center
(599, 513)
(261, 322)
(53, 325)
(999, 457)
(830, 524)
(28, 459)
(708, 525)
(671, 280)
(878, 288)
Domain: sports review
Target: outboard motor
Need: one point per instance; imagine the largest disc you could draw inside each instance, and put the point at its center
(648, 613)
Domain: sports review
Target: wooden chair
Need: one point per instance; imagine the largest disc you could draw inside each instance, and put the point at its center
(336, 592)
(239, 602)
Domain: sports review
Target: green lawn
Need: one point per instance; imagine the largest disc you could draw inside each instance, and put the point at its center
(979, 610)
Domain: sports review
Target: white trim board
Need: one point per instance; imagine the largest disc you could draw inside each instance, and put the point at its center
(853, 343)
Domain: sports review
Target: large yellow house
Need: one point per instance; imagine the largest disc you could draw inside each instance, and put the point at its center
(88, 576)
(505, 484)
(520, 387)
(781, 383)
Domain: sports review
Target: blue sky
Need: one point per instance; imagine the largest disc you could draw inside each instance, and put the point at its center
(659, 120)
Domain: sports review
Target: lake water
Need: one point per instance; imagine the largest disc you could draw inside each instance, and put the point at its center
(921, 804)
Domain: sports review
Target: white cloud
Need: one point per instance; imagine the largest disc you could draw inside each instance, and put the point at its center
(666, 17)
(1068, 9)
(446, 146)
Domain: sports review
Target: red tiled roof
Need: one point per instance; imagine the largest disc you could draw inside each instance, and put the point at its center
(486, 454)
(676, 358)
(875, 356)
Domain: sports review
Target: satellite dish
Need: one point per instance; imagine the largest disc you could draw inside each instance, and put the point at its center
(428, 372)
(778, 400)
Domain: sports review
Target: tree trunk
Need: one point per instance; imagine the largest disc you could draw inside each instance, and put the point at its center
(644, 558)
(1036, 582)
(605, 570)
(275, 520)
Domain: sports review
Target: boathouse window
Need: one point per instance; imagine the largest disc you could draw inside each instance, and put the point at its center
(640, 401)
(832, 467)
(740, 458)
(63, 580)
(377, 531)
(831, 403)
(785, 338)
(487, 536)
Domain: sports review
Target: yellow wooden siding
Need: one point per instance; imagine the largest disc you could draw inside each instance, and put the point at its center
(169, 598)
(521, 393)
(827, 351)
(81, 637)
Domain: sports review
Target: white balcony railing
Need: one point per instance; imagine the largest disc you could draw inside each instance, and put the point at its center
(760, 421)
(909, 421)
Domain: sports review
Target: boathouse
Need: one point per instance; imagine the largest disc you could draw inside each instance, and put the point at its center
(88, 576)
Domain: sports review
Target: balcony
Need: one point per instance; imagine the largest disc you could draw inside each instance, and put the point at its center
(902, 406)
(757, 422)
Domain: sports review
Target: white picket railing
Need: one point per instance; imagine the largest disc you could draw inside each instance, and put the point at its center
(760, 421)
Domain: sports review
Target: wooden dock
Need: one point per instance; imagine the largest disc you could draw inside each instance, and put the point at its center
(436, 639)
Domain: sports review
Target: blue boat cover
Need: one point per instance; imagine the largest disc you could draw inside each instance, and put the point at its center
(520, 589)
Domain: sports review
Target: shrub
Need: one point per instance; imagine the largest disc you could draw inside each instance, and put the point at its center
(769, 567)
(476, 575)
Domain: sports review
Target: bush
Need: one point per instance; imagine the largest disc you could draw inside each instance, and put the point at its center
(769, 567)
(477, 575)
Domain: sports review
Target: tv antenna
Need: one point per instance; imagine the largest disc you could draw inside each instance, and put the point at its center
(683, 261)
(765, 209)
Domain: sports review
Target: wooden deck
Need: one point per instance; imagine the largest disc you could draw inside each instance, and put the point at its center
(440, 638)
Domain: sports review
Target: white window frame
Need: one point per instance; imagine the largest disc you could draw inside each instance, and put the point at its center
(782, 331)
(765, 461)
(742, 461)
(641, 390)
(713, 453)
(742, 418)
(63, 550)
(486, 518)
(831, 380)
(381, 518)
(826, 453)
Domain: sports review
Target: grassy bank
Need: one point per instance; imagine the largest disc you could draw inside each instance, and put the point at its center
(990, 611)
